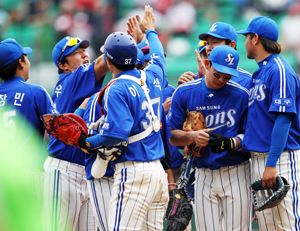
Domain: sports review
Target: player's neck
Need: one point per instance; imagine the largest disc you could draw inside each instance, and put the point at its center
(116, 72)
(21, 74)
(261, 55)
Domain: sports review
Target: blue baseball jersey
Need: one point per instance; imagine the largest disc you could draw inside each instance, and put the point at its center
(176, 157)
(28, 103)
(92, 114)
(276, 90)
(224, 110)
(244, 79)
(69, 92)
(127, 112)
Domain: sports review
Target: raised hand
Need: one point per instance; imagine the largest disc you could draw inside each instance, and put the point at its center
(201, 67)
(148, 21)
(134, 30)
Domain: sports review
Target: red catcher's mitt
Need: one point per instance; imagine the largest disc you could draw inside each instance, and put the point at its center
(65, 127)
(194, 121)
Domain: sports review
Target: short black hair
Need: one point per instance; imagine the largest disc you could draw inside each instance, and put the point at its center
(227, 41)
(123, 67)
(63, 61)
(9, 71)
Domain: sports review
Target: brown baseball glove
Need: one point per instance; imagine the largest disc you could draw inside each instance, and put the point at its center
(194, 121)
(65, 127)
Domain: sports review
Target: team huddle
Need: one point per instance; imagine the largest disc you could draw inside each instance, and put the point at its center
(117, 166)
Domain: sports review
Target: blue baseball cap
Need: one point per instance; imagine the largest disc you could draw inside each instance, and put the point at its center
(262, 26)
(10, 51)
(62, 48)
(225, 60)
(140, 58)
(144, 47)
(201, 46)
(220, 30)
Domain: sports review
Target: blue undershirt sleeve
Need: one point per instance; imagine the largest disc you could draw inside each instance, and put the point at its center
(279, 137)
(154, 43)
(79, 112)
(98, 140)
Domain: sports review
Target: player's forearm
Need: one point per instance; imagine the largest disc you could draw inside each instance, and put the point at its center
(100, 68)
(181, 138)
(96, 141)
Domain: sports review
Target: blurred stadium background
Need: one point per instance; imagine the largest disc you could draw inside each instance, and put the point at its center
(41, 23)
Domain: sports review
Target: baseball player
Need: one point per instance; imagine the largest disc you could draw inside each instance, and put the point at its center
(25, 103)
(99, 189)
(67, 203)
(221, 34)
(272, 133)
(222, 194)
(140, 190)
(176, 157)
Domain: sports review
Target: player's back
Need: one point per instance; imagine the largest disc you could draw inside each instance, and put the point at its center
(28, 100)
(24, 104)
(133, 116)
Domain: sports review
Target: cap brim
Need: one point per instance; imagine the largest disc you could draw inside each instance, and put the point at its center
(84, 44)
(226, 70)
(102, 49)
(202, 49)
(243, 32)
(27, 50)
(204, 36)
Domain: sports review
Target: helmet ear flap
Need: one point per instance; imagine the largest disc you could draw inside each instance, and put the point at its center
(105, 59)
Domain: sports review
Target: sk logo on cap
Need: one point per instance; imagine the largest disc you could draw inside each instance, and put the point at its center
(213, 27)
(230, 59)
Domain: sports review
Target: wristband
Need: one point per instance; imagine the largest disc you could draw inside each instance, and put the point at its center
(234, 142)
(174, 184)
(79, 112)
(240, 147)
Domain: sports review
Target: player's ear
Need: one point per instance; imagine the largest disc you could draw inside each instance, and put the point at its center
(207, 63)
(62, 66)
(255, 39)
(232, 44)
(21, 63)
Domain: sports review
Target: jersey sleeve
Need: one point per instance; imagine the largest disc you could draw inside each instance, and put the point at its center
(83, 81)
(157, 63)
(244, 110)
(283, 90)
(118, 120)
(177, 112)
(44, 103)
(92, 113)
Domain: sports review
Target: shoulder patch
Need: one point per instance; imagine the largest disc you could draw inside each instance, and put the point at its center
(287, 102)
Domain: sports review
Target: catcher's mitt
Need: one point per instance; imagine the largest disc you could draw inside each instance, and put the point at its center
(179, 211)
(268, 198)
(194, 122)
(65, 127)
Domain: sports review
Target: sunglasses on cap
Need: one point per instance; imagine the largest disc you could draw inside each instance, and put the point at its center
(72, 42)
(202, 43)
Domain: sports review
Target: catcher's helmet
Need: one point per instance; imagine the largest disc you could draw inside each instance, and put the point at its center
(120, 48)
